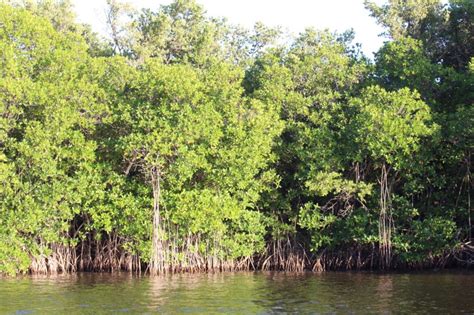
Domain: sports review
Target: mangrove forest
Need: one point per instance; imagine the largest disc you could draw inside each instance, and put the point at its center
(183, 143)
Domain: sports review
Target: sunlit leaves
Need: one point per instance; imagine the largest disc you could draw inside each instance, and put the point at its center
(392, 124)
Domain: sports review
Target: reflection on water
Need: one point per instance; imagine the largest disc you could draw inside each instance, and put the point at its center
(247, 293)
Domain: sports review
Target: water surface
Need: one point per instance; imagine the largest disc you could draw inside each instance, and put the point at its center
(240, 293)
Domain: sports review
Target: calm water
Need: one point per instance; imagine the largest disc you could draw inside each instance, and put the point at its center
(240, 293)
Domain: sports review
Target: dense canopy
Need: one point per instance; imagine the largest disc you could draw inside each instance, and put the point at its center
(184, 143)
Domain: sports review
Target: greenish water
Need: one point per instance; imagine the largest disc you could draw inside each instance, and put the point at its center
(240, 293)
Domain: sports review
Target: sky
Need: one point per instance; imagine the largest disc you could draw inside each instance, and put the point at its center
(292, 15)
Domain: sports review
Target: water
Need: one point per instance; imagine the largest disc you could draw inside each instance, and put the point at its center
(240, 293)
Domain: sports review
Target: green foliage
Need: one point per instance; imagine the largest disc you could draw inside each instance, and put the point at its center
(233, 138)
(406, 18)
(446, 30)
(428, 238)
(51, 105)
(209, 144)
(392, 124)
(403, 63)
(178, 32)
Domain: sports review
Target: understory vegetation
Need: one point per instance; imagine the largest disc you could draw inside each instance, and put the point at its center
(185, 143)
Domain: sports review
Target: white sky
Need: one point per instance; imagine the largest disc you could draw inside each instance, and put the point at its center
(294, 15)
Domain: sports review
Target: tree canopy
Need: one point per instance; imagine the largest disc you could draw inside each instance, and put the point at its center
(184, 143)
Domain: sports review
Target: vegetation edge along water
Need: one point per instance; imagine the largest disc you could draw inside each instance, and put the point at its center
(184, 143)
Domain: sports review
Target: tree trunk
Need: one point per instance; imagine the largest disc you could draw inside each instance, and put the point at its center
(157, 264)
(469, 186)
(385, 220)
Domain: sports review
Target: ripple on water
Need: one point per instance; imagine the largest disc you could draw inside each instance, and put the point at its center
(236, 293)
